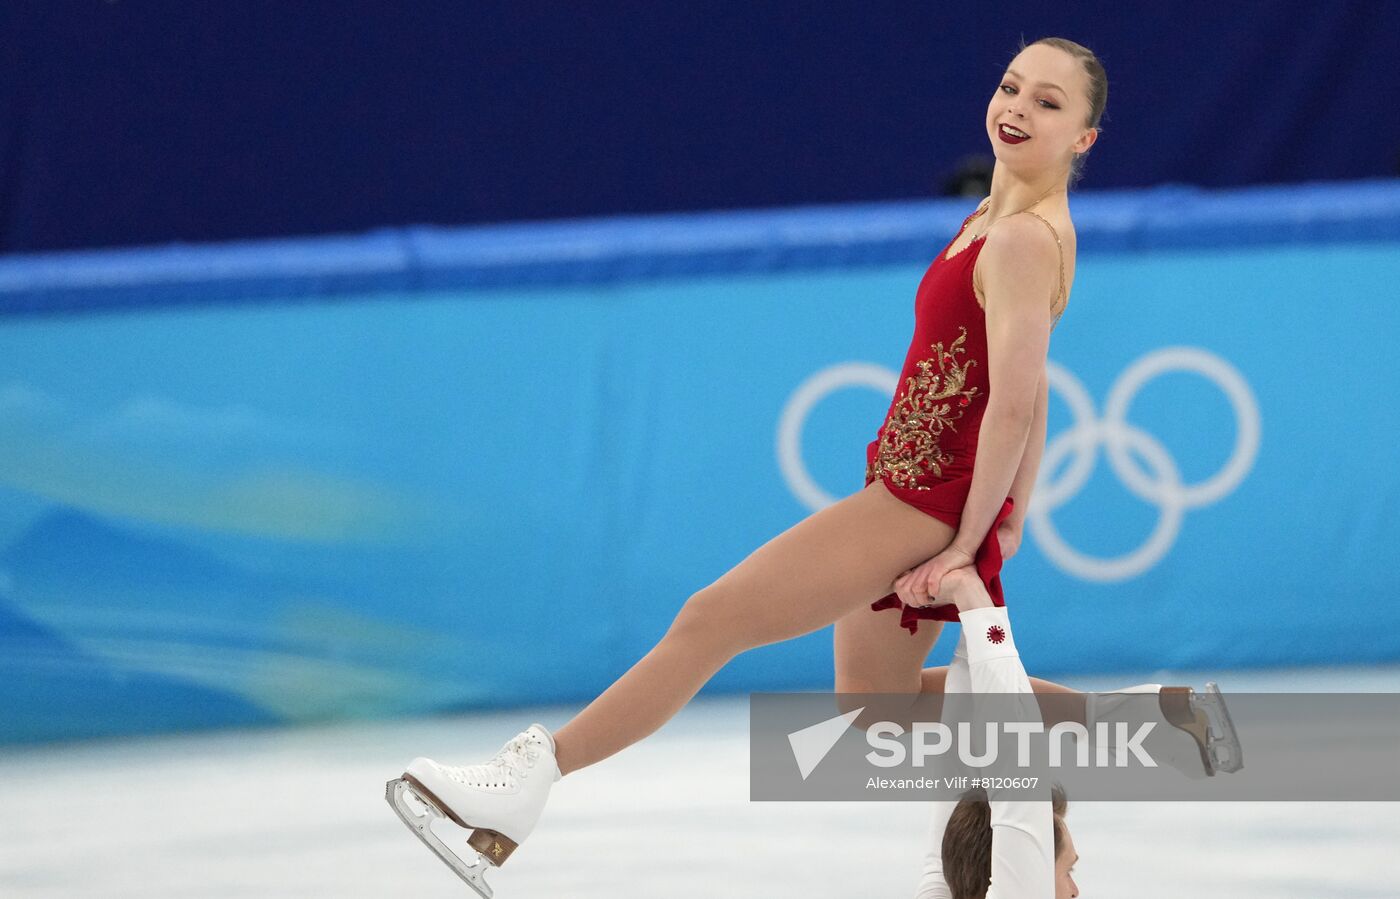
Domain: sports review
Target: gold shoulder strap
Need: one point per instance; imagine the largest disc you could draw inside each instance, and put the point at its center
(1054, 300)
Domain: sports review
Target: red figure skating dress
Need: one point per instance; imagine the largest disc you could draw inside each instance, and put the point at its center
(924, 451)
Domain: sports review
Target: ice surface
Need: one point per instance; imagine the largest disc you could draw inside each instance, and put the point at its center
(301, 813)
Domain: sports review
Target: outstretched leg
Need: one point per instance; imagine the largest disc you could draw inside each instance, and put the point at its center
(830, 563)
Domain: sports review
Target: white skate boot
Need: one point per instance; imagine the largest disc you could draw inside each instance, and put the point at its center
(1197, 736)
(499, 802)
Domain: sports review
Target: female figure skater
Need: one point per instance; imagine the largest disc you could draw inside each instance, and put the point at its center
(947, 480)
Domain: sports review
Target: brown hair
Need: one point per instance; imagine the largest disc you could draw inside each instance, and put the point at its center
(1098, 90)
(967, 842)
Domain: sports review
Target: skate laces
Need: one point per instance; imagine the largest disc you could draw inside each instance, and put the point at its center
(519, 754)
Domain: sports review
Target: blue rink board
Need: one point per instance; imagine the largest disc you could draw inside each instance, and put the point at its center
(429, 470)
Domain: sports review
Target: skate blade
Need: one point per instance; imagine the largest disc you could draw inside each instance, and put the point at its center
(402, 797)
(1226, 753)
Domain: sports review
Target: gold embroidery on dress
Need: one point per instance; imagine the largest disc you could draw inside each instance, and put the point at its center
(930, 402)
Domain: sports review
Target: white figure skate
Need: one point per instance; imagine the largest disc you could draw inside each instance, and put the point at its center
(499, 802)
(1204, 741)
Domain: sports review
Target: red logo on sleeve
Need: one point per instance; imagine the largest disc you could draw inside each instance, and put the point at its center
(996, 634)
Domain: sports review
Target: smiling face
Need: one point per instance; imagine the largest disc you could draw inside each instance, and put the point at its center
(1043, 93)
(1065, 887)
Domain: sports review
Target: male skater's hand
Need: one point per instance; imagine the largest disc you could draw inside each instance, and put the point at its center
(964, 589)
(919, 585)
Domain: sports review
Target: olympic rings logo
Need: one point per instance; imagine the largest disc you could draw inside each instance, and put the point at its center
(1160, 485)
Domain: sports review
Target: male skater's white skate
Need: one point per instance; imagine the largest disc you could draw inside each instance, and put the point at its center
(1201, 737)
(499, 802)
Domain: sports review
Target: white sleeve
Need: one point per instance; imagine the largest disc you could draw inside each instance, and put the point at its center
(1023, 831)
(931, 882)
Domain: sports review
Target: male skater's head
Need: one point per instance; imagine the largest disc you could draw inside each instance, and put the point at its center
(967, 847)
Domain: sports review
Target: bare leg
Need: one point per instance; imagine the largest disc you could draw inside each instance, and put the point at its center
(830, 563)
(873, 654)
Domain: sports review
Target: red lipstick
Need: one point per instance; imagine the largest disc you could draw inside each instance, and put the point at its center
(1008, 137)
